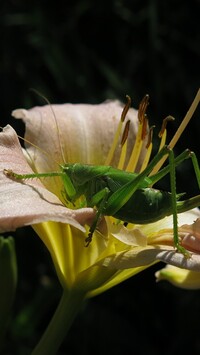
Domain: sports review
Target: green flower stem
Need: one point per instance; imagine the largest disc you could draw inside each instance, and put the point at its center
(61, 322)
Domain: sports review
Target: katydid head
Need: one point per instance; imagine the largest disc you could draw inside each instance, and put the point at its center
(81, 179)
(75, 178)
(81, 174)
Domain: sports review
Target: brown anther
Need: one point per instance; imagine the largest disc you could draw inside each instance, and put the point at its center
(142, 108)
(144, 127)
(150, 136)
(126, 108)
(164, 125)
(125, 133)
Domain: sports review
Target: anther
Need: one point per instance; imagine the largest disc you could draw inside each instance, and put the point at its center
(125, 133)
(126, 108)
(144, 127)
(150, 136)
(142, 108)
(164, 125)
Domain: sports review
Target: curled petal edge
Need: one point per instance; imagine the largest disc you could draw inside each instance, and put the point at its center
(146, 256)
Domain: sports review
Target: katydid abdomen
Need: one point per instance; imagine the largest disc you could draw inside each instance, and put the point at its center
(146, 206)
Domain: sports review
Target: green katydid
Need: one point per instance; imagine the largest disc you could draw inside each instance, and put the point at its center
(124, 195)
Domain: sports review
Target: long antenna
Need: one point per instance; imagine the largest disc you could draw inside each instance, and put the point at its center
(34, 145)
(55, 119)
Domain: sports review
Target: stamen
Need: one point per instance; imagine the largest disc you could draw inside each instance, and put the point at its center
(142, 129)
(143, 107)
(114, 144)
(124, 146)
(126, 108)
(118, 132)
(125, 133)
(163, 132)
(180, 130)
(136, 150)
(186, 120)
(164, 125)
(150, 136)
(149, 147)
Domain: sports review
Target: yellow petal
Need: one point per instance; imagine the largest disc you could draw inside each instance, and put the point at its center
(179, 277)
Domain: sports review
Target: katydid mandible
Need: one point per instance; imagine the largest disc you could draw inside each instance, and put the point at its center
(126, 196)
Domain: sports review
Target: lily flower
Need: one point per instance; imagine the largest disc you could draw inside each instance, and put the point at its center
(42, 201)
(84, 133)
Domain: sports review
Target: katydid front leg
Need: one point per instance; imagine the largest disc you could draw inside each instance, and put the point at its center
(99, 199)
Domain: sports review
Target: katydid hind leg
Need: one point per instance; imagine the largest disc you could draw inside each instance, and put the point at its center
(173, 198)
(183, 206)
(196, 167)
(186, 154)
(172, 165)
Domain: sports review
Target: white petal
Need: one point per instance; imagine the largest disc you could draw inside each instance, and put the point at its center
(25, 203)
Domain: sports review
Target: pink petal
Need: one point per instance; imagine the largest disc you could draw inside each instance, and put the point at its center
(85, 132)
(138, 257)
(178, 259)
(28, 202)
(191, 239)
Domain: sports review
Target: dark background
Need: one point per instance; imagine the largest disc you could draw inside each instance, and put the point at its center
(88, 51)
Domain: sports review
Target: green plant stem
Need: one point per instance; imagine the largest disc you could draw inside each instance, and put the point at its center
(61, 322)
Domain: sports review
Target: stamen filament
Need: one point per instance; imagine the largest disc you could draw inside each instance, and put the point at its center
(163, 139)
(180, 130)
(124, 146)
(118, 132)
(142, 118)
(114, 144)
(186, 120)
(163, 132)
(122, 156)
(149, 148)
(136, 150)
(147, 157)
(126, 108)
